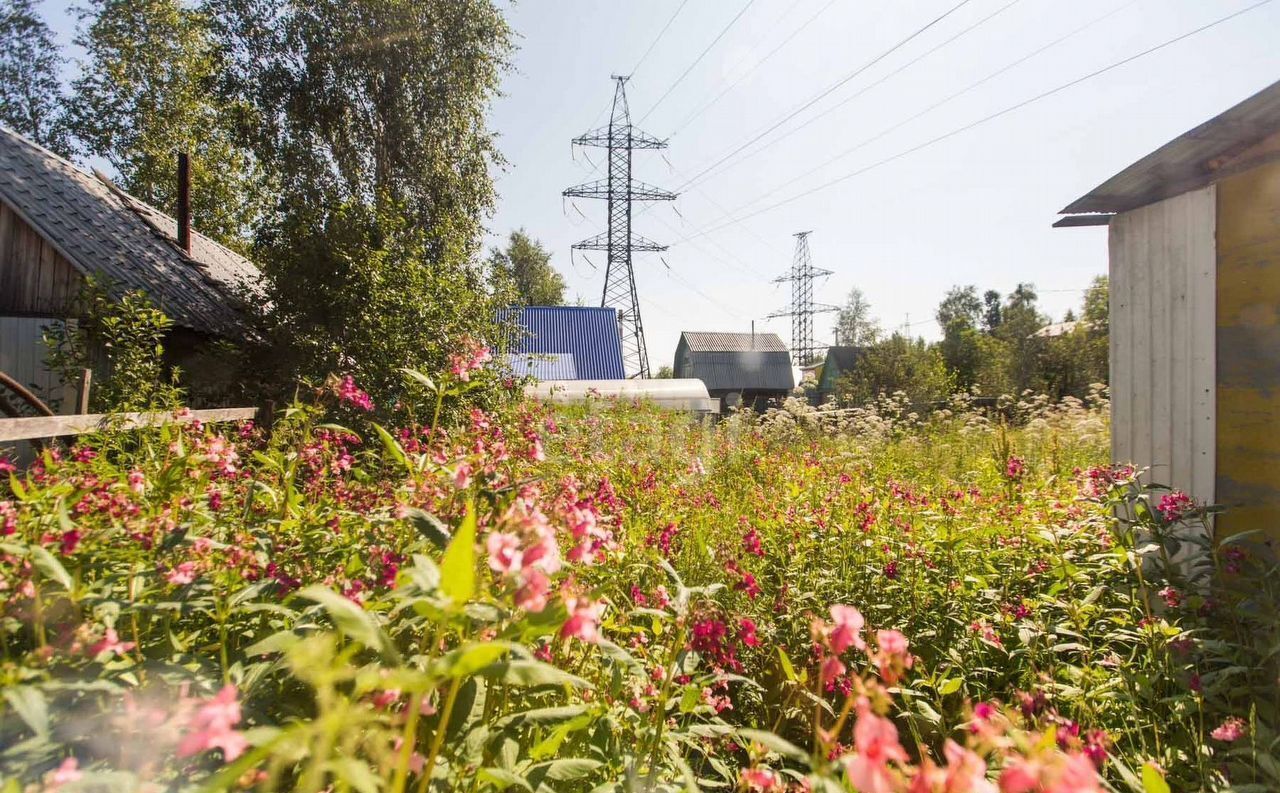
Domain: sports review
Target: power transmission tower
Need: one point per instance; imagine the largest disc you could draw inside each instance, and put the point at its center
(619, 190)
(803, 348)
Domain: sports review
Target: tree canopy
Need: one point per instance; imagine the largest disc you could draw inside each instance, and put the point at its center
(31, 100)
(528, 267)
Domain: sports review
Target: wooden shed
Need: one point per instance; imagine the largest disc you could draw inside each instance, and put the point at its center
(60, 224)
(1194, 241)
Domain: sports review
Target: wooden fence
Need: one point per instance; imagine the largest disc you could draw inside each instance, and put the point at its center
(37, 427)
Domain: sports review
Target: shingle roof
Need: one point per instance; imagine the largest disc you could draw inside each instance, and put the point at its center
(703, 341)
(104, 232)
(588, 334)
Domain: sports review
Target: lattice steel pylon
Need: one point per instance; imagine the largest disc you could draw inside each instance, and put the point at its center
(803, 349)
(619, 189)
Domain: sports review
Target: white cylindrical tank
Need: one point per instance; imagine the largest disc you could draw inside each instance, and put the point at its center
(678, 394)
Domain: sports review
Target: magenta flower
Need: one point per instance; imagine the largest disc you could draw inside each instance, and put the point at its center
(351, 394)
(183, 574)
(584, 619)
(846, 630)
(1233, 729)
(211, 727)
(1175, 506)
(505, 555)
(533, 591)
(876, 741)
(111, 645)
(759, 779)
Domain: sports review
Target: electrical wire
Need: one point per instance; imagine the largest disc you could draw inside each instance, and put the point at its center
(985, 119)
(879, 81)
(945, 100)
(698, 59)
(707, 106)
(833, 87)
(658, 38)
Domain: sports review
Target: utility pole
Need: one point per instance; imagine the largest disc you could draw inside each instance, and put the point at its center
(619, 190)
(803, 349)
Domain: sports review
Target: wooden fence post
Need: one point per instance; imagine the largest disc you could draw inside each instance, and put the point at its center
(82, 394)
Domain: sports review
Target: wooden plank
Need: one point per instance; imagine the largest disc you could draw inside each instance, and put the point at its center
(1120, 354)
(55, 426)
(1204, 362)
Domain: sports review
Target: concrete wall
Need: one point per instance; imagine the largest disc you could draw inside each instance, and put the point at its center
(1248, 350)
(1162, 341)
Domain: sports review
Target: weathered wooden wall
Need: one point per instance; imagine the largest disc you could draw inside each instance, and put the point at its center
(1162, 341)
(34, 277)
(1248, 350)
(22, 355)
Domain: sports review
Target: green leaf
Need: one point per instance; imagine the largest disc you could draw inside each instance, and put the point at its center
(354, 622)
(471, 658)
(31, 707)
(458, 568)
(551, 715)
(950, 686)
(528, 673)
(787, 668)
(414, 374)
(275, 643)
(393, 448)
(774, 743)
(50, 567)
(502, 779)
(1153, 780)
(565, 770)
(428, 525)
(354, 773)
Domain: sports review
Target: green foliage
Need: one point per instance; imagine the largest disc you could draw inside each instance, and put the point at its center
(855, 327)
(356, 103)
(147, 92)
(898, 363)
(527, 265)
(361, 292)
(31, 101)
(121, 342)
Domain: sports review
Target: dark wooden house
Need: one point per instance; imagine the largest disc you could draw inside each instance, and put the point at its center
(60, 224)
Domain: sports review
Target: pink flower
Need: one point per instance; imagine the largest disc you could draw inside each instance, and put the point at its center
(350, 394)
(1015, 467)
(7, 466)
(1171, 597)
(747, 632)
(183, 574)
(211, 727)
(966, 772)
(505, 555)
(137, 481)
(847, 629)
(532, 594)
(111, 645)
(471, 357)
(68, 771)
(584, 619)
(876, 741)
(462, 476)
(1175, 506)
(892, 642)
(1233, 729)
(761, 779)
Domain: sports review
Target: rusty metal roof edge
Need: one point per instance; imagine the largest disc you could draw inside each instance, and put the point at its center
(1243, 124)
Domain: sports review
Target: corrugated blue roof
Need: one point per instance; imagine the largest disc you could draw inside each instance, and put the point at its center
(589, 335)
(543, 366)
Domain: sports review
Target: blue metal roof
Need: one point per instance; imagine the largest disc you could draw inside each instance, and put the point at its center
(588, 335)
(543, 366)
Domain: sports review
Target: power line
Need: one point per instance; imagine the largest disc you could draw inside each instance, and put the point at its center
(945, 100)
(658, 38)
(707, 106)
(880, 81)
(833, 87)
(698, 59)
(984, 119)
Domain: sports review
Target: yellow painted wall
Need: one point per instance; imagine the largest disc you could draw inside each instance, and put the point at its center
(1248, 351)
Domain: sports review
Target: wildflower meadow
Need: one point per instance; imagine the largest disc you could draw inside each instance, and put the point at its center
(609, 596)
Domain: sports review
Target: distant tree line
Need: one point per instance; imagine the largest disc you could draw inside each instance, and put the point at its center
(341, 144)
(992, 344)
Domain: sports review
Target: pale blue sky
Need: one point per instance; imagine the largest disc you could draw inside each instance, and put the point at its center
(974, 208)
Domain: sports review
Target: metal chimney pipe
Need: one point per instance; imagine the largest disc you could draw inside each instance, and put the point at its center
(753, 334)
(184, 201)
